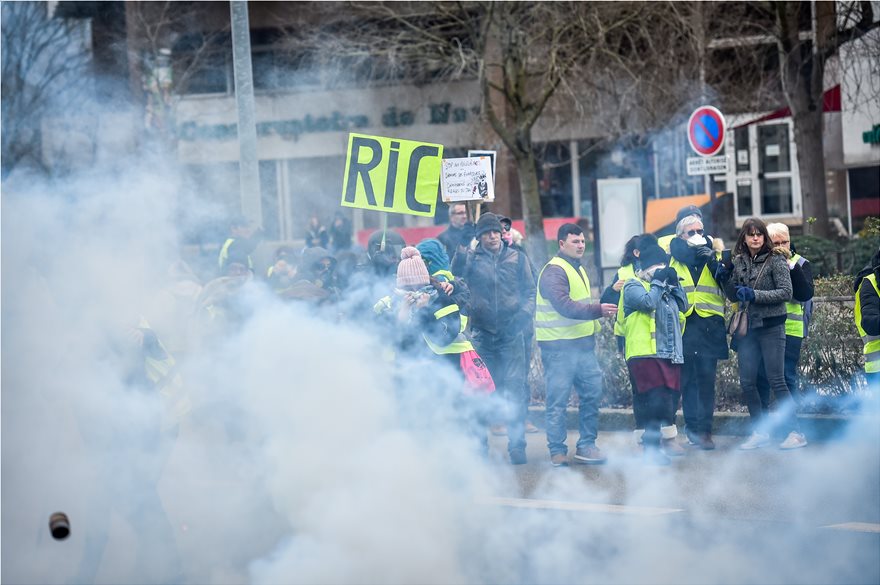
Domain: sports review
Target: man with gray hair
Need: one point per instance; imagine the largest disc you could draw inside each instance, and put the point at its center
(705, 335)
(799, 310)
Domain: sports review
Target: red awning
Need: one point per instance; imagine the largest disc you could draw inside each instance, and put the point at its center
(830, 103)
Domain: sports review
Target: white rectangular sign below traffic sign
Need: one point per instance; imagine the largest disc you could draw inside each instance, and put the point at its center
(698, 165)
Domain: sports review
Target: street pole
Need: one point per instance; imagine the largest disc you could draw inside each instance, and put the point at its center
(249, 169)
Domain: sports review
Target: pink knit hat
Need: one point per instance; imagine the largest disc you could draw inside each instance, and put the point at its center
(411, 271)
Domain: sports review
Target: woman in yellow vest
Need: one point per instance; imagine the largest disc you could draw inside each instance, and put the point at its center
(867, 316)
(629, 263)
(654, 305)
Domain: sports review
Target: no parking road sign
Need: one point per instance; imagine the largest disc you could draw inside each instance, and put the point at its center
(706, 130)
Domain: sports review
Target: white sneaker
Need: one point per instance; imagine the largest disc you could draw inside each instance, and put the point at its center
(794, 440)
(756, 440)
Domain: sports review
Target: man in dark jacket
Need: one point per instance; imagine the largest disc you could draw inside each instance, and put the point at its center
(460, 231)
(705, 334)
(867, 315)
(565, 327)
(502, 306)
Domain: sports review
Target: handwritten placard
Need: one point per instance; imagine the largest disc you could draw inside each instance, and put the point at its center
(467, 179)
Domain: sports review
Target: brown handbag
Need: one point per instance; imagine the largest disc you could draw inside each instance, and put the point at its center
(738, 325)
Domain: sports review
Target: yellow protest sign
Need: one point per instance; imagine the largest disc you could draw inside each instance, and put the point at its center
(392, 175)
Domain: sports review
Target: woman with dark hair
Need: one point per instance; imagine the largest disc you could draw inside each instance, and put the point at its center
(760, 280)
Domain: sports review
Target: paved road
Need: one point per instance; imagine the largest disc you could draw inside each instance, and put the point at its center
(766, 516)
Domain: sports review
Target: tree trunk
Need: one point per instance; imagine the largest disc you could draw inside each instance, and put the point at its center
(531, 203)
(811, 170)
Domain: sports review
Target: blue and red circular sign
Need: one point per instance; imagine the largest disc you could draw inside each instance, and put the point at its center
(706, 130)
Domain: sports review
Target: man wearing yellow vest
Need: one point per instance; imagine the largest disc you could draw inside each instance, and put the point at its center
(565, 324)
(705, 335)
(867, 316)
(799, 310)
(244, 236)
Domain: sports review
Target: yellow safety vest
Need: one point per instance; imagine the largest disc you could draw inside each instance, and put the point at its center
(460, 344)
(640, 329)
(224, 255)
(665, 242)
(871, 342)
(623, 273)
(795, 325)
(705, 297)
(550, 325)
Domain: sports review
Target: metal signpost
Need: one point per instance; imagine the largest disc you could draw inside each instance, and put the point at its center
(706, 130)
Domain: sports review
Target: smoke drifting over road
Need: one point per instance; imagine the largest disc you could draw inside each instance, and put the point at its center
(305, 457)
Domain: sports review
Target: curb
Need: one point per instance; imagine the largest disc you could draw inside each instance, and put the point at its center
(818, 427)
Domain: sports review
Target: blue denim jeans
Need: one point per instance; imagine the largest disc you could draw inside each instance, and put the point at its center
(766, 344)
(562, 369)
(792, 357)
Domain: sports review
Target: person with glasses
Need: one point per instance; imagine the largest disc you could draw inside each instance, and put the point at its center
(761, 278)
(705, 335)
(460, 231)
(799, 310)
(315, 278)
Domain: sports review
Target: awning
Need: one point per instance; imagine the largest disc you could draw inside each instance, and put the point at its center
(830, 103)
(661, 212)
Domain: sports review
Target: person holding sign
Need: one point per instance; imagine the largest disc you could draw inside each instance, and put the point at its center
(501, 309)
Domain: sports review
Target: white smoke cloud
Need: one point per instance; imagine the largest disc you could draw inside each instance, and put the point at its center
(308, 457)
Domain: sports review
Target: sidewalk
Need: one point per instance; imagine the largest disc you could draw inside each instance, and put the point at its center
(817, 427)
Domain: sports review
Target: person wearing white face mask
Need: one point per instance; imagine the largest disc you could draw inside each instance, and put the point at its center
(653, 306)
(705, 337)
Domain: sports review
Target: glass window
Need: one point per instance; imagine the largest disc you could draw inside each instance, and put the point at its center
(204, 72)
(744, 199)
(741, 145)
(773, 148)
(776, 195)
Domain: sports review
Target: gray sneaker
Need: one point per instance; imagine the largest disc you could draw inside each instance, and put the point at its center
(591, 455)
(559, 460)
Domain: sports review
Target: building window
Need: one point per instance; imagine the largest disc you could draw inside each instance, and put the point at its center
(775, 195)
(741, 146)
(744, 198)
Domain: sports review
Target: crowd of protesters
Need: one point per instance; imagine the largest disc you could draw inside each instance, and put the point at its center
(472, 299)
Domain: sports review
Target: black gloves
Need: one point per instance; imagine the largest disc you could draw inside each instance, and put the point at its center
(705, 253)
(667, 275)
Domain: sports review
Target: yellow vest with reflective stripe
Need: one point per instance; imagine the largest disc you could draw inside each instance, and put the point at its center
(795, 325)
(550, 325)
(224, 255)
(624, 273)
(871, 342)
(705, 297)
(460, 344)
(640, 330)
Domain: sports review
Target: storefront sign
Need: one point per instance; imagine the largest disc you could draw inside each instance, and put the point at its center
(392, 117)
(392, 175)
(872, 136)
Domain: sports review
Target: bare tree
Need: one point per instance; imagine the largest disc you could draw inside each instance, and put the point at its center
(528, 59)
(44, 68)
(802, 62)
